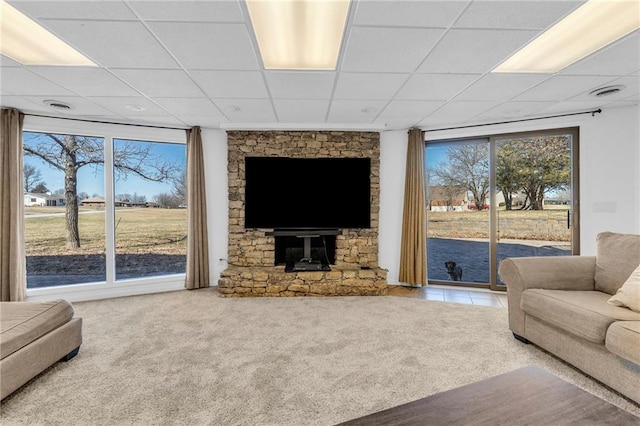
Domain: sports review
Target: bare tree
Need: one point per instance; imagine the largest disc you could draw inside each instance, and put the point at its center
(467, 166)
(40, 188)
(69, 153)
(32, 177)
(180, 186)
(167, 200)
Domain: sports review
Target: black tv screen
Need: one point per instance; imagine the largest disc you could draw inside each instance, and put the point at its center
(307, 193)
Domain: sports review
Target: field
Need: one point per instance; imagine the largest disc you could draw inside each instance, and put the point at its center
(148, 241)
(542, 225)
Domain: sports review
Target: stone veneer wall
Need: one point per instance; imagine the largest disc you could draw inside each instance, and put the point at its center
(251, 252)
(253, 247)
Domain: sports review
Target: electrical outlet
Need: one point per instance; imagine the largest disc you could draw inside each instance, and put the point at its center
(605, 207)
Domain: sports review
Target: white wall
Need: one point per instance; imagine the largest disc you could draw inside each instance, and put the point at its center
(609, 180)
(393, 157)
(214, 144)
(609, 175)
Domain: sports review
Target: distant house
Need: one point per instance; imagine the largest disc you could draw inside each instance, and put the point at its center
(32, 199)
(93, 202)
(447, 198)
(128, 203)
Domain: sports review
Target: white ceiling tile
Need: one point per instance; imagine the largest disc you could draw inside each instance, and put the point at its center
(393, 123)
(388, 49)
(500, 87)
(20, 81)
(203, 121)
(619, 104)
(189, 11)
(208, 45)
(364, 111)
(160, 120)
(560, 87)
(231, 84)
(474, 51)
(439, 123)
(619, 58)
(22, 103)
(95, 9)
(440, 14)
(513, 110)
(301, 110)
(435, 86)
(119, 105)
(571, 107)
(160, 83)
(184, 107)
(300, 85)
(368, 85)
(87, 81)
(515, 14)
(114, 44)
(631, 87)
(249, 110)
(81, 106)
(5, 61)
(410, 108)
(463, 110)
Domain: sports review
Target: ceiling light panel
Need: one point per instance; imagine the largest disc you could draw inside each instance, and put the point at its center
(589, 28)
(299, 34)
(29, 43)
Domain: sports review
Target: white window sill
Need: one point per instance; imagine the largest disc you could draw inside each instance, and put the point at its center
(102, 290)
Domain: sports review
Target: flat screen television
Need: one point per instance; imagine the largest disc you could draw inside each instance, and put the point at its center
(307, 193)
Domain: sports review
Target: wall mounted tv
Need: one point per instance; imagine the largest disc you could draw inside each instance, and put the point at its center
(307, 193)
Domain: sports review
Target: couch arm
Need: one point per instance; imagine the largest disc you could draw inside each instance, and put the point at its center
(548, 272)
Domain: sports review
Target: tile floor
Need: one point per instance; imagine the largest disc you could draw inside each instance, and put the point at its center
(467, 295)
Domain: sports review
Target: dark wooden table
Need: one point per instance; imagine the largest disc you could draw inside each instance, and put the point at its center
(527, 396)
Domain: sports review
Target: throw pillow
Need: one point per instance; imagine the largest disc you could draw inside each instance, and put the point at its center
(629, 294)
(617, 255)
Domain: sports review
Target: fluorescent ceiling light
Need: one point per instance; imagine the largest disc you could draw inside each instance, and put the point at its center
(25, 41)
(592, 26)
(299, 34)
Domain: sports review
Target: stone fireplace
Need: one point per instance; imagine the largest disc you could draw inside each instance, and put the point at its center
(257, 257)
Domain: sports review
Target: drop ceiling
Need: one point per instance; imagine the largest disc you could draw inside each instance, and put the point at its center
(403, 64)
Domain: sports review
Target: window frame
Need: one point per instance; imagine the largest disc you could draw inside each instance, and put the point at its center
(110, 287)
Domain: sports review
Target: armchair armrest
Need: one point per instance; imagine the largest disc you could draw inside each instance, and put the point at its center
(549, 272)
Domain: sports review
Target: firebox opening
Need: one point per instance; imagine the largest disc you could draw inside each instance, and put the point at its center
(320, 252)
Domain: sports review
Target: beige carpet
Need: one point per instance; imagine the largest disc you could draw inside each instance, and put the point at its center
(194, 358)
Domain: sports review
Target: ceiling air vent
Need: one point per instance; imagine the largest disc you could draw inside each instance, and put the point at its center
(606, 91)
(58, 105)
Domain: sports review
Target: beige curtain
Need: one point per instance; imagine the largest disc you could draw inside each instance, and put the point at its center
(13, 274)
(413, 250)
(197, 239)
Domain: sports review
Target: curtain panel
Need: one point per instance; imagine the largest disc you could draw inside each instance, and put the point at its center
(197, 237)
(413, 249)
(13, 274)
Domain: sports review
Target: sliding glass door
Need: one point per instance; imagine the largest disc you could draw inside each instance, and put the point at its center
(497, 197)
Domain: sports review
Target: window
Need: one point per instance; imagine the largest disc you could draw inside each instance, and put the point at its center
(112, 210)
(64, 244)
(150, 213)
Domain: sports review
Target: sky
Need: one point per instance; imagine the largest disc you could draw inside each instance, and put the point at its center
(91, 179)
